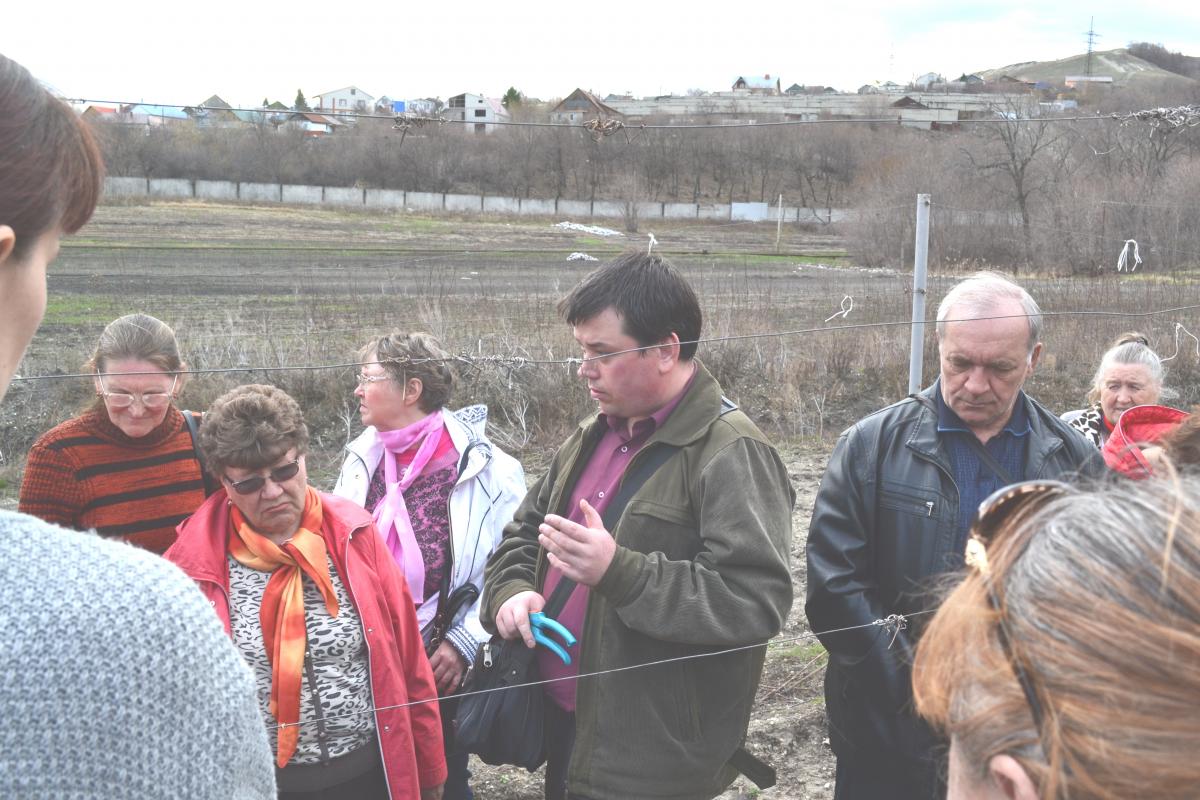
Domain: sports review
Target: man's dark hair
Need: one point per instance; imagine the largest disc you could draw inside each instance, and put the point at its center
(649, 295)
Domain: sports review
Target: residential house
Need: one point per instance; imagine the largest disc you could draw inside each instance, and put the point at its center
(908, 102)
(95, 113)
(924, 82)
(347, 100)
(311, 123)
(153, 116)
(755, 85)
(478, 113)
(969, 80)
(581, 105)
(213, 113)
(795, 89)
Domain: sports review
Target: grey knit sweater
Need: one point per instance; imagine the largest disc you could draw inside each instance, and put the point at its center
(116, 677)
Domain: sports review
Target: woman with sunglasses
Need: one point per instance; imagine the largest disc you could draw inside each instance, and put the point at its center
(126, 467)
(1067, 663)
(317, 607)
(441, 493)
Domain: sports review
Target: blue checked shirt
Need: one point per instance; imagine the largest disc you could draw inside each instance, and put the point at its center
(975, 479)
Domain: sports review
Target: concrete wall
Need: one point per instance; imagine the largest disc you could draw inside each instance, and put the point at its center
(750, 212)
(347, 196)
(384, 198)
(545, 208)
(679, 210)
(463, 202)
(650, 210)
(308, 195)
(126, 187)
(424, 201)
(609, 209)
(500, 205)
(170, 187)
(259, 192)
(216, 190)
(574, 208)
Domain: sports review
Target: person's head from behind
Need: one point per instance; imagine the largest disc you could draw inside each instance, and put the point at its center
(1130, 374)
(989, 339)
(1068, 665)
(51, 176)
(636, 301)
(254, 439)
(136, 366)
(404, 377)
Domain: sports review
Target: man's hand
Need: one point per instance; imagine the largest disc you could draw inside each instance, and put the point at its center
(448, 668)
(512, 620)
(581, 553)
(433, 792)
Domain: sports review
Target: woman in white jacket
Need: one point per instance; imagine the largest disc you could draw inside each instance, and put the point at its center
(441, 494)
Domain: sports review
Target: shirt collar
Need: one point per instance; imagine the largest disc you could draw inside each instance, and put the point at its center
(1017, 425)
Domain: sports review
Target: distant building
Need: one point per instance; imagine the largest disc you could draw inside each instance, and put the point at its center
(480, 113)
(794, 89)
(582, 105)
(928, 79)
(908, 102)
(1075, 81)
(347, 100)
(311, 123)
(887, 87)
(213, 113)
(756, 85)
(153, 116)
(969, 80)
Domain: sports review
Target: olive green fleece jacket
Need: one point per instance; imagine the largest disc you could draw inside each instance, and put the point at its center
(701, 565)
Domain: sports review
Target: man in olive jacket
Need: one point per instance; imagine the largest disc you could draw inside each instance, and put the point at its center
(894, 510)
(697, 563)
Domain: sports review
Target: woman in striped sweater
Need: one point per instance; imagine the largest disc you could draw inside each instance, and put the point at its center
(127, 466)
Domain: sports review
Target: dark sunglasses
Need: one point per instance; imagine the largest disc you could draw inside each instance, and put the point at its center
(255, 483)
(997, 517)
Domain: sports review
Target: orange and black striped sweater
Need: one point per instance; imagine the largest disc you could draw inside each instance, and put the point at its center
(86, 473)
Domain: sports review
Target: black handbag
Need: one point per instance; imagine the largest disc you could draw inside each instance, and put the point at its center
(501, 718)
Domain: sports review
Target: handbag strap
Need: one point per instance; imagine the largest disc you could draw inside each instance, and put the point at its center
(976, 445)
(210, 487)
(630, 483)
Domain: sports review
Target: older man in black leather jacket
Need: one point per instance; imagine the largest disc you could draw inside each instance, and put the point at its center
(893, 512)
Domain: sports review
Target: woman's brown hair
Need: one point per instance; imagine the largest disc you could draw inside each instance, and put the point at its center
(1101, 604)
(52, 171)
(251, 427)
(414, 355)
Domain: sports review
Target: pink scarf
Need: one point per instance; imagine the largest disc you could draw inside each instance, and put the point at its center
(391, 514)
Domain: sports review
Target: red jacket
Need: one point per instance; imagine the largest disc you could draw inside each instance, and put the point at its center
(410, 738)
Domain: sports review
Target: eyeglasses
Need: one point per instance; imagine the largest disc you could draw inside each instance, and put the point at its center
(147, 399)
(363, 379)
(256, 482)
(1000, 514)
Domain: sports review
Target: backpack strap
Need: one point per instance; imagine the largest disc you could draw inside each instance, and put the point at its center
(210, 486)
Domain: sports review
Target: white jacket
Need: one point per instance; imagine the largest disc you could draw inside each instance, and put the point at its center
(483, 500)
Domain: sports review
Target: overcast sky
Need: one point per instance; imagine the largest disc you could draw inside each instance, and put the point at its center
(180, 53)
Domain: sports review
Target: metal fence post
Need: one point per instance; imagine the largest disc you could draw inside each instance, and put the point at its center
(920, 267)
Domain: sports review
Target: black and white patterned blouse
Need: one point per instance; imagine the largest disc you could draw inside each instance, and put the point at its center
(335, 686)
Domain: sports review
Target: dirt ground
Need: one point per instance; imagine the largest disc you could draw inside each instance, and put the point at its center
(787, 728)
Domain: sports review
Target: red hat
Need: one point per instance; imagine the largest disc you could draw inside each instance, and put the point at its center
(1137, 426)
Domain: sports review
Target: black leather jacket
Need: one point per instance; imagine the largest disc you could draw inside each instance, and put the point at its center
(883, 526)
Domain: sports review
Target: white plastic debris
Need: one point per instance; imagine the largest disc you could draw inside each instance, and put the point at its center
(595, 230)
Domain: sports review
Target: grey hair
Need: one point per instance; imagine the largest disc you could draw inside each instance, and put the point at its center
(980, 295)
(1130, 350)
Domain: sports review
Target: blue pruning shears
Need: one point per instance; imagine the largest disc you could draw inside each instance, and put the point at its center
(540, 624)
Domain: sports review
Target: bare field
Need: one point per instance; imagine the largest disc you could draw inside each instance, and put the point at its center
(267, 293)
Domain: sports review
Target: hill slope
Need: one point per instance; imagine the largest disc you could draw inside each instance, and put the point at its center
(1120, 64)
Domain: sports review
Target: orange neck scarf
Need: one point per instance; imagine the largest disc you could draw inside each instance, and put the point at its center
(282, 615)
